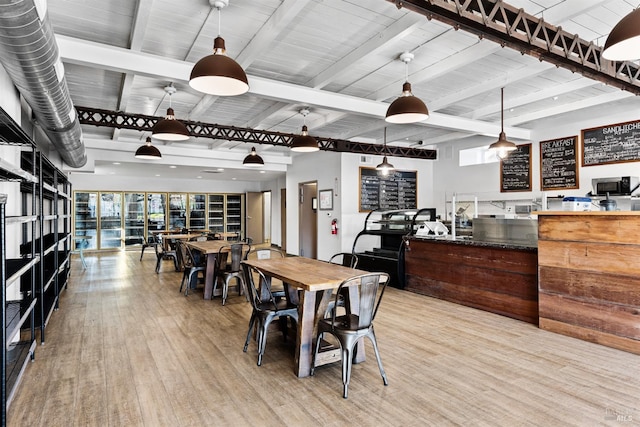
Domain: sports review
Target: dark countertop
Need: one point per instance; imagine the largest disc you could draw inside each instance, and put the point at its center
(471, 242)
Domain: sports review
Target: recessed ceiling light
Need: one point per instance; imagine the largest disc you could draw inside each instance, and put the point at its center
(116, 163)
(172, 167)
(233, 179)
(555, 98)
(263, 172)
(157, 174)
(199, 177)
(220, 170)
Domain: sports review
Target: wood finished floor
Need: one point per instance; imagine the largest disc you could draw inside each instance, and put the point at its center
(126, 349)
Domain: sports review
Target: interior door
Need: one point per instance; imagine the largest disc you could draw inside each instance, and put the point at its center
(307, 220)
(255, 217)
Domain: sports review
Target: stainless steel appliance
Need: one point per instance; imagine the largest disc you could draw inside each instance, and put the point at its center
(615, 186)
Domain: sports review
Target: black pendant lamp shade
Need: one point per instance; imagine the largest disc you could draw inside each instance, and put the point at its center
(304, 143)
(148, 152)
(407, 108)
(253, 160)
(169, 128)
(502, 146)
(217, 74)
(385, 167)
(623, 43)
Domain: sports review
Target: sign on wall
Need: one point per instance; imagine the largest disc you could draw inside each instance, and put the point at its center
(616, 143)
(559, 164)
(515, 170)
(398, 190)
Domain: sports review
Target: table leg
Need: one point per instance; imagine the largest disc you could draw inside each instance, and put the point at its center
(306, 326)
(210, 273)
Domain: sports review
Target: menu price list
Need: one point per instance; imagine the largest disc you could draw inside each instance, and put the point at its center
(611, 144)
(558, 163)
(515, 170)
(395, 191)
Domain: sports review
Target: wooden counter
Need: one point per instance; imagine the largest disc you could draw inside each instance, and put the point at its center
(499, 278)
(589, 276)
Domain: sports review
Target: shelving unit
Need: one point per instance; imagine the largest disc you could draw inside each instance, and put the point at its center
(86, 218)
(133, 218)
(110, 220)
(20, 260)
(177, 211)
(197, 211)
(216, 213)
(234, 214)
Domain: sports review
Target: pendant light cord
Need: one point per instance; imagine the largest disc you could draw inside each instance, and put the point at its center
(219, 22)
(501, 109)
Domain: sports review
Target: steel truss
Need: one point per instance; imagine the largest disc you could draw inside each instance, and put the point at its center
(142, 123)
(514, 28)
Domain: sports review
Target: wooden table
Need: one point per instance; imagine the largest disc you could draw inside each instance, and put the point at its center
(313, 277)
(210, 248)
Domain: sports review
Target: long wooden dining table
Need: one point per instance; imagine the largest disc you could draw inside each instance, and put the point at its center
(210, 248)
(313, 278)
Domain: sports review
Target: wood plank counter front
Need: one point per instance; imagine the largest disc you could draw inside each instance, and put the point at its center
(589, 276)
(499, 278)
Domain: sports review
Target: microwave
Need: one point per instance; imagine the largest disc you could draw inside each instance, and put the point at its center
(619, 186)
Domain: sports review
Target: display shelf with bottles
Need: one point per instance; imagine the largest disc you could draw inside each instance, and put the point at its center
(133, 218)
(216, 213)
(177, 211)
(234, 214)
(197, 211)
(156, 211)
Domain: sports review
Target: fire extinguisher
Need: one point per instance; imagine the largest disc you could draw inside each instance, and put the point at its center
(334, 226)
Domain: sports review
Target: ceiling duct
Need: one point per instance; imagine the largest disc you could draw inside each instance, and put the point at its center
(29, 54)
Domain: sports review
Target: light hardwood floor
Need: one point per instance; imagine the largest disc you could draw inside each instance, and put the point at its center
(126, 349)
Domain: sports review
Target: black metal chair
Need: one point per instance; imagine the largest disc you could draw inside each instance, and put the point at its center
(232, 270)
(161, 254)
(266, 308)
(346, 259)
(149, 242)
(348, 329)
(193, 264)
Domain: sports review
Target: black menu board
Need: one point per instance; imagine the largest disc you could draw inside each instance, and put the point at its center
(398, 190)
(559, 163)
(611, 144)
(515, 170)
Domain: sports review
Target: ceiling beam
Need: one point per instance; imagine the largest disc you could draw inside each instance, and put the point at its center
(518, 30)
(143, 123)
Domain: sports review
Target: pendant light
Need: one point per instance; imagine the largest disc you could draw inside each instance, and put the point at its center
(304, 143)
(385, 167)
(170, 129)
(253, 160)
(148, 151)
(407, 108)
(502, 146)
(217, 74)
(623, 43)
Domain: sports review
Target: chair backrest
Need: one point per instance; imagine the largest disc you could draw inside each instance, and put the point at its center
(257, 287)
(369, 297)
(182, 250)
(346, 259)
(264, 253)
(238, 252)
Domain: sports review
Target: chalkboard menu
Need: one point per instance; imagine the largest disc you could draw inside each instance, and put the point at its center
(611, 144)
(515, 170)
(559, 164)
(398, 190)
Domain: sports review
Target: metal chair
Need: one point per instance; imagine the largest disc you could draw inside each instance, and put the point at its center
(268, 253)
(162, 254)
(346, 259)
(193, 264)
(350, 328)
(149, 242)
(232, 271)
(266, 308)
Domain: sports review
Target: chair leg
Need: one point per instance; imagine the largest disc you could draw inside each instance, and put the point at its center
(372, 337)
(262, 340)
(142, 252)
(346, 369)
(225, 289)
(315, 353)
(182, 283)
(158, 264)
(252, 322)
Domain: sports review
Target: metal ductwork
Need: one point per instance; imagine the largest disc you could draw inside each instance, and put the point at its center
(29, 54)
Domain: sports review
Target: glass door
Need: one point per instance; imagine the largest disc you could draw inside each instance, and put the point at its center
(197, 211)
(177, 211)
(156, 211)
(234, 215)
(85, 220)
(133, 218)
(110, 220)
